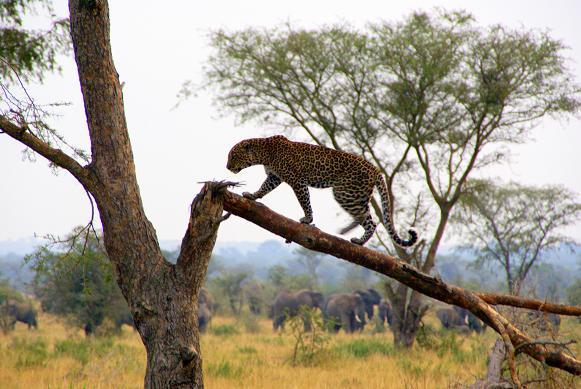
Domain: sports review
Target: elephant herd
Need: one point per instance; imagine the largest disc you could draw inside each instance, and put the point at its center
(347, 311)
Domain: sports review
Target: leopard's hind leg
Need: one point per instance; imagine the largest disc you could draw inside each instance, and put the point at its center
(356, 204)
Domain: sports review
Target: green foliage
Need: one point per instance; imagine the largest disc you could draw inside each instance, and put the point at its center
(310, 341)
(363, 348)
(280, 279)
(83, 349)
(78, 283)
(7, 292)
(224, 330)
(225, 369)
(29, 353)
(28, 53)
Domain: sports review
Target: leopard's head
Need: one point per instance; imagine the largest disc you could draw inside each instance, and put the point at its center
(242, 155)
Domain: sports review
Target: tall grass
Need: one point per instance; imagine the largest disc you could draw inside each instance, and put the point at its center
(236, 357)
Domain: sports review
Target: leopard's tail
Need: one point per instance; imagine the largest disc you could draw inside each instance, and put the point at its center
(387, 220)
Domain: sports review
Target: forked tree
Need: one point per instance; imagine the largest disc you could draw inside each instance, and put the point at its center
(163, 296)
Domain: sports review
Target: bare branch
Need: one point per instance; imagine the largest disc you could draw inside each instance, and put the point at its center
(56, 156)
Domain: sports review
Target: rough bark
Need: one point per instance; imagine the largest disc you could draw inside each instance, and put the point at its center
(314, 239)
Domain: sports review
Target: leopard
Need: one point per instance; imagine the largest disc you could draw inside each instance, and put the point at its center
(303, 165)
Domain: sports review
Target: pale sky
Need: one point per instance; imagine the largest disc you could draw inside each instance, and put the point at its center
(157, 47)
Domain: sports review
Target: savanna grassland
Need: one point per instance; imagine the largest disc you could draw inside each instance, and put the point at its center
(245, 353)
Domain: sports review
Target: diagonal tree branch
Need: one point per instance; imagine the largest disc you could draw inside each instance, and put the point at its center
(314, 239)
(54, 155)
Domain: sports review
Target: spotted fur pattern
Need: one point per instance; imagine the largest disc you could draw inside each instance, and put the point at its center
(302, 165)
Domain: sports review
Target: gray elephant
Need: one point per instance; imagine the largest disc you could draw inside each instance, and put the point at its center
(469, 319)
(463, 313)
(475, 324)
(345, 310)
(385, 312)
(287, 304)
(204, 316)
(450, 318)
(24, 313)
(204, 297)
(124, 318)
(371, 298)
(206, 309)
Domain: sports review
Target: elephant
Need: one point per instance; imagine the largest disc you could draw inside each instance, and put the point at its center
(385, 312)
(468, 318)
(206, 309)
(450, 318)
(475, 324)
(124, 318)
(204, 316)
(463, 313)
(204, 297)
(370, 297)
(24, 313)
(287, 304)
(345, 310)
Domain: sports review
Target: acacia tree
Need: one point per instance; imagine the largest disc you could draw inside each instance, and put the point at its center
(514, 225)
(428, 101)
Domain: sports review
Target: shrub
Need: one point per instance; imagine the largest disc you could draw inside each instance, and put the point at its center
(30, 352)
(83, 349)
(362, 348)
(310, 339)
(224, 330)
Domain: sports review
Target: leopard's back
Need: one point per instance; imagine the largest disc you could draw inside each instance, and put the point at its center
(319, 166)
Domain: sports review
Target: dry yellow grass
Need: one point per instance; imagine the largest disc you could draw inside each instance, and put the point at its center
(57, 357)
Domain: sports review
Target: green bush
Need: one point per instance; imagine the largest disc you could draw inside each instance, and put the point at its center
(307, 329)
(29, 352)
(247, 350)
(362, 348)
(224, 330)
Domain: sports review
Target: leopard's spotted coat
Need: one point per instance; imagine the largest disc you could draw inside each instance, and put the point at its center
(301, 165)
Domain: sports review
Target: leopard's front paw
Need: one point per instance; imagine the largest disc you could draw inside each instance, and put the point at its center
(306, 220)
(249, 195)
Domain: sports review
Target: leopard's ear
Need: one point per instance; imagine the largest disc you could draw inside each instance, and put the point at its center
(278, 137)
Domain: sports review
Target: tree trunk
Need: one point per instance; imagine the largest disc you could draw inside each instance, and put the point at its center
(407, 315)
(162, 296)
